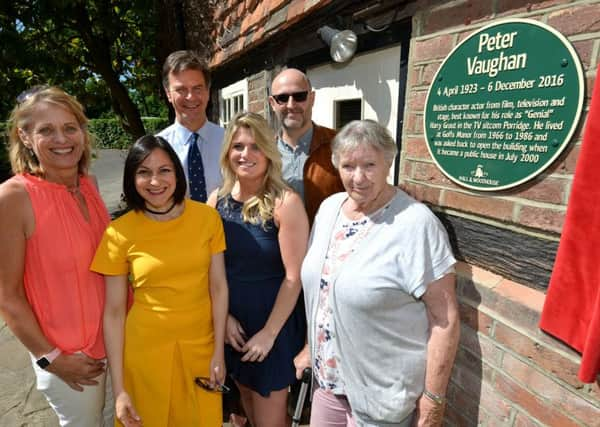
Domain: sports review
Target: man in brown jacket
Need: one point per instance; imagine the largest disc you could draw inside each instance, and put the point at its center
(305, 147)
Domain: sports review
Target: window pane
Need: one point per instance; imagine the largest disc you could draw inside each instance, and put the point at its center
(346, 111)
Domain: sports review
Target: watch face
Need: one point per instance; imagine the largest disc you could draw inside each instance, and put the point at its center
(42, 362)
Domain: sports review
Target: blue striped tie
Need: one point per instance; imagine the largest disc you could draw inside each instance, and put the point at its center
(197, 185)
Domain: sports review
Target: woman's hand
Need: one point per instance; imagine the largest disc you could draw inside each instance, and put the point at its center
(428, 413)
(302, 361)
(235, 335)
(125, 411)
(258, 347)
(76, 369)
(217, 369)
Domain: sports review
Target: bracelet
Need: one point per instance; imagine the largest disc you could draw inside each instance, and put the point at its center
(440, 400)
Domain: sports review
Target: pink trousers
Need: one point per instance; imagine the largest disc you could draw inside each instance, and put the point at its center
(329, 410)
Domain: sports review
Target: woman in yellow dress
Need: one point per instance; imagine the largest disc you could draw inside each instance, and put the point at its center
(171, 250)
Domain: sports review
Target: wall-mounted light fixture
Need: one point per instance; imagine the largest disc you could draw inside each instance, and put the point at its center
(342, 44)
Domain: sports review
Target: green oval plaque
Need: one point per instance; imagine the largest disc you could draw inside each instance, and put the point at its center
(503, 105)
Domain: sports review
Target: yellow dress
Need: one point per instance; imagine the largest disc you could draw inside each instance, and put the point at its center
(169, 336)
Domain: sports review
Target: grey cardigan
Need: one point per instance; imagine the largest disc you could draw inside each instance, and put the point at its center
(381, 324)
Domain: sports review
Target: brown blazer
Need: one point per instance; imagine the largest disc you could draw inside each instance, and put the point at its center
(321, 178)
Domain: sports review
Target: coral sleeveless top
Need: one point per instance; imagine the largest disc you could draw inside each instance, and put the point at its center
(66, 297)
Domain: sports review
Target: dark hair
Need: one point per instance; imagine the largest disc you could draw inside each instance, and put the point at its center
(182, 60)
(136, 156)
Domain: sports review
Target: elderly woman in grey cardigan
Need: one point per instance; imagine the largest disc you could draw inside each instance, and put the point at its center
(379, 285)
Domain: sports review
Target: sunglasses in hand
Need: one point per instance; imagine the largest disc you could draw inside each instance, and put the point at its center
(282, 98)
(204, 383)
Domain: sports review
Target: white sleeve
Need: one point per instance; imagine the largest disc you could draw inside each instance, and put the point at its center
(427, 254)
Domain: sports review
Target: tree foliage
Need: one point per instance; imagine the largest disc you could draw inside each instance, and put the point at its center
(91, 48)
(106, 52)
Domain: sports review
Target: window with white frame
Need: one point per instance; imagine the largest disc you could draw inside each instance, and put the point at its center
(232, 99)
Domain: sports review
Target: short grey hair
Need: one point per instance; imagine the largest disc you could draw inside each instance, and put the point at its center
(363, 133)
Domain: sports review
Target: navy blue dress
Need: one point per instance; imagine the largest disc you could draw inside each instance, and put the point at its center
(254, 274)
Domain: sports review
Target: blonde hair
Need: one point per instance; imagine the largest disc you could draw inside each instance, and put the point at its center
(22, 159)
(260, 207)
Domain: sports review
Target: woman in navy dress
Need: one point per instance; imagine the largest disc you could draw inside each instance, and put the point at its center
(266, 229)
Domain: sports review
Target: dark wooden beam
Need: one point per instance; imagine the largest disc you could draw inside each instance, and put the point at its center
(523, 258)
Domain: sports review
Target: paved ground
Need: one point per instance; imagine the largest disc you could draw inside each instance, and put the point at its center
(20, 403)
(108, 168)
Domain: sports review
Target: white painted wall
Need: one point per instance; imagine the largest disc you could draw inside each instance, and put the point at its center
(373, 77)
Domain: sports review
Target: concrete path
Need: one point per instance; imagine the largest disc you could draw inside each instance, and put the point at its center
(20, 403)
(107, 166)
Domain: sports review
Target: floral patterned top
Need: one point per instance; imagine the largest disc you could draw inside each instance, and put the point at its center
(345, 239)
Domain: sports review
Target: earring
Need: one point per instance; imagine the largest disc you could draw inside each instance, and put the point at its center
(31, 153)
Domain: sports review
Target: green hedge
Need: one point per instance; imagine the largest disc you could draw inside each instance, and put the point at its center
(110, 134)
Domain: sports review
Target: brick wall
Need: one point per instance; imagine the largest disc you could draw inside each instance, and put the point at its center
(244, 24)
(258, 92)
(507, 371)
(539, 204)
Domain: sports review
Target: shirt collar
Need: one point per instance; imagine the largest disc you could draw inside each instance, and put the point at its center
(186, 134)
(303, 141)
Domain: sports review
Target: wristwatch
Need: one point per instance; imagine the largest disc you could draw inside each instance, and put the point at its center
(45, 361)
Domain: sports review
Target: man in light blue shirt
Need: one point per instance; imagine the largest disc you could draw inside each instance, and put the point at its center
(186, 81)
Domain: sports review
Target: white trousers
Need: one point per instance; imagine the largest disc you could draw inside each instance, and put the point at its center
(92, 407)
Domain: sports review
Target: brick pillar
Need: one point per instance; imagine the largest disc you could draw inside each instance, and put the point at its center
(258, 92)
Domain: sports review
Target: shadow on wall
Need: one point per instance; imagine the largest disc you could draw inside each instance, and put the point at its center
(369, 76)
(467, 380)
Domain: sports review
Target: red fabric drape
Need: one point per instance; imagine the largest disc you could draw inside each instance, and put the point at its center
(572, 306)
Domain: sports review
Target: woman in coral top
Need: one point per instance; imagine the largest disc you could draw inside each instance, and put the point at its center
(166, 356)
(51, 221)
